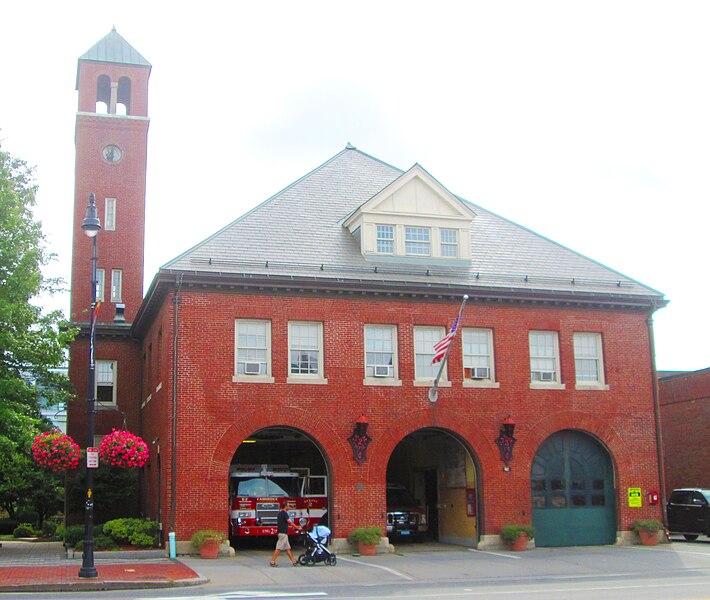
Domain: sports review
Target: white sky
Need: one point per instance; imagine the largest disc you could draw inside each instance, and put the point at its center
(587, 122)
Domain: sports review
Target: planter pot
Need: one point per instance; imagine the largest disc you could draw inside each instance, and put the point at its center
(209, 550)
(648, 538)
(367, 549)
(520, 544)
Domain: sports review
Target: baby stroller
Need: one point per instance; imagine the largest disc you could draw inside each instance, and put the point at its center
(316, 551)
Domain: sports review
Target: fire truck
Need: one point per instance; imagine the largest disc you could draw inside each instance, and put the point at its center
(257, 492)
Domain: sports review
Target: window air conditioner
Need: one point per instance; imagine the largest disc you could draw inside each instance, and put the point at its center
(382, 370)
(479, 373)
(544, 375)
(252, 368)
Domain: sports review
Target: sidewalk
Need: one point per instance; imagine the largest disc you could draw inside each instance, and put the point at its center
(27, 566)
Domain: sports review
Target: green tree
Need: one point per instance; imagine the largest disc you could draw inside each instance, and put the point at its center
(32, 342)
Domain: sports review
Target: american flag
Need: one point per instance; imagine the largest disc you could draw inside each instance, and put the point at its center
(443, 344)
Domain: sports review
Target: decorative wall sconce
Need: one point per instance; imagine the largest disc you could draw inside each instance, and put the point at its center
(359, 440)
(506, 441)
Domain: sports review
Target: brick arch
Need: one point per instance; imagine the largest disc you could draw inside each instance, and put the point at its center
(602, 430)
(446, 421)
(324, 436)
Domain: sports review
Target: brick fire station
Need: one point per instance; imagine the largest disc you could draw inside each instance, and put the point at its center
(298, 341)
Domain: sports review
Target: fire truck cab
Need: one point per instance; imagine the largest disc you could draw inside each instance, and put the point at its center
(256, 493)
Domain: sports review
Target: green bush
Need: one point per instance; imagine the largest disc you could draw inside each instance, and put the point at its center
(366, 535)
(7, 526)
(101, 542)
(74, 534)
(24, 530)
(136, 532)
(48, 529)
(510, 533)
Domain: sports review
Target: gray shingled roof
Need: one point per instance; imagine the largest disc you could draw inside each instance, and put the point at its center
(114, 49)
(299, 233)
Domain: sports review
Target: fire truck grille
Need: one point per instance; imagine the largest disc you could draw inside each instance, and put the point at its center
(267, 511)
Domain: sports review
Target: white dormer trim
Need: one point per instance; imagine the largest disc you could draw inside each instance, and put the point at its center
(415, 199)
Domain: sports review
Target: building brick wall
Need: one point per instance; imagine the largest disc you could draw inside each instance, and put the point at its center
(685, 427)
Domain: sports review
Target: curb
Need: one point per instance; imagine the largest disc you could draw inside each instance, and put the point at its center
(97, 586)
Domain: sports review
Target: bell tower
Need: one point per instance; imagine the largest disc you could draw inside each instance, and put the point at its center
(111, 148)
(111, 139)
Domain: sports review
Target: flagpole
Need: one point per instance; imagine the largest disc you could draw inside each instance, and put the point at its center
(434, 391)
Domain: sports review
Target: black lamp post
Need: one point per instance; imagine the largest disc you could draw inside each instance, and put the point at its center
(91, 226)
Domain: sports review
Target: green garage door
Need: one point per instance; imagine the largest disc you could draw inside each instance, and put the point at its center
(573, 492)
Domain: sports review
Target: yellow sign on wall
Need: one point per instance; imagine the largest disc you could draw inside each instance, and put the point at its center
(635, 498)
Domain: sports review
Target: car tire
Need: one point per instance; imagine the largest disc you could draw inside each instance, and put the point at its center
(691, 537)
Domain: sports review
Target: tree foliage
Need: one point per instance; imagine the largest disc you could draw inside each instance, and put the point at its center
(32, 342)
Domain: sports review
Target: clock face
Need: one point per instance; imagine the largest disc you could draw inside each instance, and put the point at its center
(112, 153)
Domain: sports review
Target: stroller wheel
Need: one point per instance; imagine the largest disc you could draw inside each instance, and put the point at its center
(302, 560)
(331, 560)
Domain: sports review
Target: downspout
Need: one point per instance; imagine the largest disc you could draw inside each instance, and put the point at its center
(657, 418)
(173, 436)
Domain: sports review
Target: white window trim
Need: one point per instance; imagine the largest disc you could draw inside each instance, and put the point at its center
(100, 284)
(392, 381)
(106, 405)
(307, 378)
(600, 384)
(416, 241)
(110, 214)
(491, 382)
(241, 377)
(547, 385)
(428, 381)
(118, 296)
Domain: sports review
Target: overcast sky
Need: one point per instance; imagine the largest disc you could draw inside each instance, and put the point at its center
(587, 122)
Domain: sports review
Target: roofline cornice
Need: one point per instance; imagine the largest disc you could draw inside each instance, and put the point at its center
(167, 280)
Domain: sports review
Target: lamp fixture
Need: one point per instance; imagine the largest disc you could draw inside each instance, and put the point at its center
(359, 440)
(506, 441)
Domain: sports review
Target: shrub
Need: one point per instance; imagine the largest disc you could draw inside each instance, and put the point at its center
(7, 526)
(651, 525)
(24, 530)
(136, 532)
(203, 536)
(101, 542)
(73, 535)
(510, 533)
(48, 529)
(366, 535)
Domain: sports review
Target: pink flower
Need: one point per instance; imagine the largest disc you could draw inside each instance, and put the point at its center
(56, 451)
(123, 449)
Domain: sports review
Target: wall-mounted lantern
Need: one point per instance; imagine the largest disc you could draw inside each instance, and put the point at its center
(359, 440)
(506, 441)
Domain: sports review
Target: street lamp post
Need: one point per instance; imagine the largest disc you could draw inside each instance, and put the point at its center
(91, 226)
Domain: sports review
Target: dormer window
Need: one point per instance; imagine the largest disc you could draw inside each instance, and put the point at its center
(417, 241)
(449, 243)
(414, 221)
(385, 239)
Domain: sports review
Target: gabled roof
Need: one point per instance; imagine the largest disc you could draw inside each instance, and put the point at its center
(298, 235)
(114, 49)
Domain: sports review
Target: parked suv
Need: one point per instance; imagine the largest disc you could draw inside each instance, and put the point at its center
(689, 512)
(405, 517)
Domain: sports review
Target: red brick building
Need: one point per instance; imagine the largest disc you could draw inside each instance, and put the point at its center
(685, 424)
(318, 310)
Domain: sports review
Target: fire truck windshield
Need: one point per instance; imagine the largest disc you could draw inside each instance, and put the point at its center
(287, 487)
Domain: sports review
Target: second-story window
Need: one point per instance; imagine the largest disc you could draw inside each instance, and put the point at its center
(381, 351)
(253, 348)
(305, 346)
(478, 354)
(100, 284)
(588, 364)
(424, 340)
(105, 382)
(544, 357)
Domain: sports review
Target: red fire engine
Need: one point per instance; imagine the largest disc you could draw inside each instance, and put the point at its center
(257, 492)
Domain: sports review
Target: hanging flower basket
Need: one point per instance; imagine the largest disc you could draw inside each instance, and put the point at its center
(123, 449)
(56, 451)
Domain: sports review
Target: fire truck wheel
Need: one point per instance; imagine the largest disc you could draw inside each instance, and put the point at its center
(302, 560)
